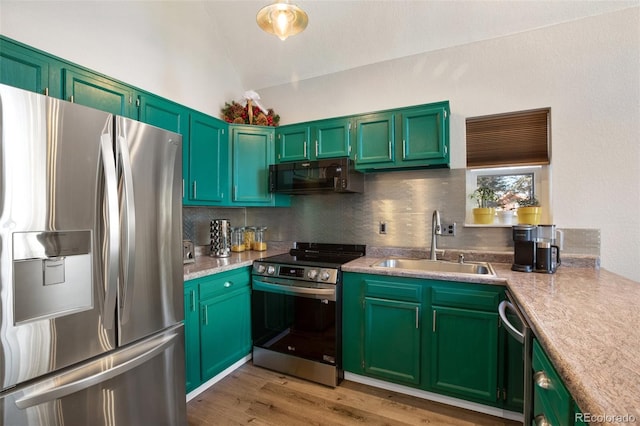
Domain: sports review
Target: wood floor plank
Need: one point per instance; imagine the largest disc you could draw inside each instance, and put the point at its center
(257, 396)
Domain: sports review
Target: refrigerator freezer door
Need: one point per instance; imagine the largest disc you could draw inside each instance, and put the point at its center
(53, 235)
(150, 294)
(142, 384)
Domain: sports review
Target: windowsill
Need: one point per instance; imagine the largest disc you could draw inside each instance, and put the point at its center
(490, 225)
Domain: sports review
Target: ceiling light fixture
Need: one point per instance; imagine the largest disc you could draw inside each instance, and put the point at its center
(282, 19)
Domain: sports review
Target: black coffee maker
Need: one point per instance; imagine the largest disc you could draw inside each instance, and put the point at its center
(524, 248)
(548, 242)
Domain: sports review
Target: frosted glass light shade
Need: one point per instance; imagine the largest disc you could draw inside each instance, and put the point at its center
(282, 19)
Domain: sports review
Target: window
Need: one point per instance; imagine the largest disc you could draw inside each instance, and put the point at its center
(510, 153)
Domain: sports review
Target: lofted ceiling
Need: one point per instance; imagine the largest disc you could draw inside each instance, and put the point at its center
(348, 34)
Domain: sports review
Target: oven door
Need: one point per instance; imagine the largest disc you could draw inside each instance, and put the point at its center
(296, 318)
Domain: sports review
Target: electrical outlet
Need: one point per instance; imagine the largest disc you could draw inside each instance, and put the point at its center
(382, 229)
(449, 229)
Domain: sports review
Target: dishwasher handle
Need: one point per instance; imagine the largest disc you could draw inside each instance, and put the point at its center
(502, 308)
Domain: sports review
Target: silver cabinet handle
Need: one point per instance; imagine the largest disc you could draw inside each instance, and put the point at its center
(404, 149)
(193, 301)
(417, 317)
(434, 320)
(541, 420)
(304, 149)
(542, 380)
(316, 149)
(228, 284)
(195, 189)
(390, 157)
(206, 315)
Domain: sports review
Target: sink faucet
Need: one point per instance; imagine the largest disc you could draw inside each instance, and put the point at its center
(436, 229)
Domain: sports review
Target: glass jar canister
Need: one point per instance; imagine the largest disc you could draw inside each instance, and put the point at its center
(249, 237)
(237, 239)
(260, 244)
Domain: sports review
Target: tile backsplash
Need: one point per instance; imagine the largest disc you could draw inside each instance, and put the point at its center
(403, 200)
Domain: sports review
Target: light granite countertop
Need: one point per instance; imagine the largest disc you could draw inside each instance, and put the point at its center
(586, 318)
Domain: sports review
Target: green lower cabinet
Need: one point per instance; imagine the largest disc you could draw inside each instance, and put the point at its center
(437, 336)
(217, 324)
(552, 402)
(464, 353)
(192, 334)
(392, 340)
(225, 331)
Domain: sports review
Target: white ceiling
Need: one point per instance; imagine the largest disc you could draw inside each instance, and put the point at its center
(348, 34)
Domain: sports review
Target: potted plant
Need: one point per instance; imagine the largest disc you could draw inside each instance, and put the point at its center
(485, 197)
(505, 216)
(529, 211)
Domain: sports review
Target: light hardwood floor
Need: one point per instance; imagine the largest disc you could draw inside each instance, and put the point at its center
(256, 396)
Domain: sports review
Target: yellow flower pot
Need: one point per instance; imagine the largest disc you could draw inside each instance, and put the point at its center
(484, 215)
(529, 215)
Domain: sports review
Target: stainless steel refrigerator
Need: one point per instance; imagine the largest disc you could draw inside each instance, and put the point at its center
(91, 274)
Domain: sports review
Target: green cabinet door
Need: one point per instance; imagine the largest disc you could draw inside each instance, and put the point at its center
(464, 353)
(192, 334)
(163, 113)
(207, 155)
(225, 331)
(375, 140)
(252, 152)
(23, 68)
(424, 135)
(293, 143)
(392, 339)
(92, 90)
(333, 138)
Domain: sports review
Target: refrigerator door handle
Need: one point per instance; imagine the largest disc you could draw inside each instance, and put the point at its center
(94, 373)
(111, 257)
(129, 224)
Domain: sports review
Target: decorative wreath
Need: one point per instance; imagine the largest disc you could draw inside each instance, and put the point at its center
(251, 113)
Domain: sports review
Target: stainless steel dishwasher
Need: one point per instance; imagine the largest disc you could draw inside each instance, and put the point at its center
(510, 312)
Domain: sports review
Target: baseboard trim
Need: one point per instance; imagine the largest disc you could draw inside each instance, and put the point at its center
(215, 379)
(480, 408)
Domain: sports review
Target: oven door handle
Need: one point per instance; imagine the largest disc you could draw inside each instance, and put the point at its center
(329, 293)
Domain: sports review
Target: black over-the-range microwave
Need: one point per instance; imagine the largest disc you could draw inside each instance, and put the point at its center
(312, 177)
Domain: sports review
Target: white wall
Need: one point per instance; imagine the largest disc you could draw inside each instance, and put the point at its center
(587, 71)
(167, 48)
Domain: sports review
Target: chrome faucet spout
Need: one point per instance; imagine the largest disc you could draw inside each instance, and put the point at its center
(436, 229)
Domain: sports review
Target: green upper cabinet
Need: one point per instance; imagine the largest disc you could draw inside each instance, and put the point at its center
(293, 143)
(163, 113)
(23, 68)
(252, 151)
(313, 141)
(332, 138)
(375, 141)
(207, 156)
(92, 90)
(424, 136)
(413, 137)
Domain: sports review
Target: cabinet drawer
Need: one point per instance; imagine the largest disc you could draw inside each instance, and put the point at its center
(551, 398)
(462, 296)
(217, 284)
(394, 290)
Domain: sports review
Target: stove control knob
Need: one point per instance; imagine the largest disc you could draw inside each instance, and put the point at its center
(260, 268)
(271, 270)
(324, 275)
(312, 274)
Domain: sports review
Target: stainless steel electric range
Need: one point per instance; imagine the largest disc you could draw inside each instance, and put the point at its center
(296, 311)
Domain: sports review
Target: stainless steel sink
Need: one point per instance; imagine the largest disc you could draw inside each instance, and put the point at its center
(481, 268)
